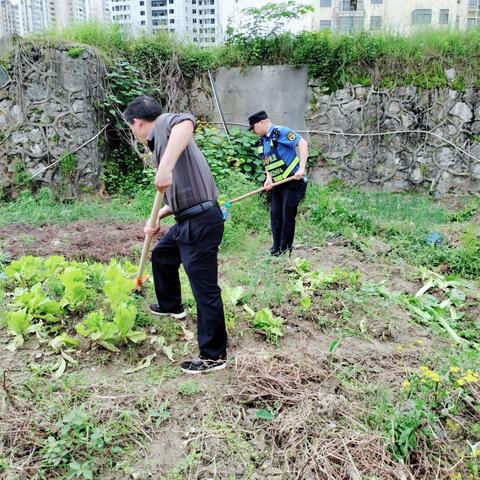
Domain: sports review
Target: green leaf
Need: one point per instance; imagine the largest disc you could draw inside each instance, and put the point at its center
(306, 302)
(168, 351)
(17, 342)
(125, 318)
(265, 414)
(108, 346)
(144, 363)
(19, 322)
(334, 345)
(64, 340)
(137, 336)
(73, 279)
(59, 368)
(233, 295)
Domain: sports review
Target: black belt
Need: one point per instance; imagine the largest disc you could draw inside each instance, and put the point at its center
(194, 211)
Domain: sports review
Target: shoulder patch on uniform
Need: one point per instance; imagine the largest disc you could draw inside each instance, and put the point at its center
(291, 136)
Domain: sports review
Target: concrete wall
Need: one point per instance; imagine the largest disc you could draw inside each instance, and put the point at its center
(280, 90)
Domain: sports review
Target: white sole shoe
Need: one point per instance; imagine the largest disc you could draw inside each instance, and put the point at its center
(178, 316)
(220, 366)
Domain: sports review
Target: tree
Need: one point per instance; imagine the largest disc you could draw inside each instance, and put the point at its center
(267, 21)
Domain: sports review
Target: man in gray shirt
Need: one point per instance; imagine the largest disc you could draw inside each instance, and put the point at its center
(191, 196)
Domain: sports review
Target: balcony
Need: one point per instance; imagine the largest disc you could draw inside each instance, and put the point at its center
(350, 7)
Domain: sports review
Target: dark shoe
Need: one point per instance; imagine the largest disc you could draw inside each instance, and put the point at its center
(179, 313)
(275, 252)
(203, 365)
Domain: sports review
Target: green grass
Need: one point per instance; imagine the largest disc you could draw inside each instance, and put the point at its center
(401, 220)
(42, 208)
(365, 57)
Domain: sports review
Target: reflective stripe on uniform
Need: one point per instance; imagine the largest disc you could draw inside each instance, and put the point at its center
(290, 168)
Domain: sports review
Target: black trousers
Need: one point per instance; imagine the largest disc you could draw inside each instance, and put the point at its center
(194, 243)
(283, 210)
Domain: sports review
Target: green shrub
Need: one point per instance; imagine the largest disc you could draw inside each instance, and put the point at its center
(75, 52)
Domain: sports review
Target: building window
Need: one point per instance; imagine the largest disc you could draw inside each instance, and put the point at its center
(377, 2)
(194, 11)
(325, 3)
(350, 5)
(471, 23)
(350, 23)
(171, 11)
(472, 4)
(194, 20)
(172, 20)
(443, 20)
(422, 17)
(375, 22)
(142, 13)
(142, 22)
(457, 21)
(325, 25)
(142, 3)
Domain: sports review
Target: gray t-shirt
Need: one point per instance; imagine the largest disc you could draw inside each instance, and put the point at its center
(192, 180)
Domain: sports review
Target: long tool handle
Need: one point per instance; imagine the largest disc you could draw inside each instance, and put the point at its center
(258, 190)
(148, 238)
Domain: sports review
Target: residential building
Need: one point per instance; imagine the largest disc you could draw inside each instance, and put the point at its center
(405, 16)
(98, 10)
(35, 15)
(38, 15)
(9, 19)
(194, 20)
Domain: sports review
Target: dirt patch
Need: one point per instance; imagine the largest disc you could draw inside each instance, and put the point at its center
(80, 240)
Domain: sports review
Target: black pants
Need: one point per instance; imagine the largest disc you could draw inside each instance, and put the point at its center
(283, 210)
(194, 243)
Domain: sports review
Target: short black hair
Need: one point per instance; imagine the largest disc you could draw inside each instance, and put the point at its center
(143, 108)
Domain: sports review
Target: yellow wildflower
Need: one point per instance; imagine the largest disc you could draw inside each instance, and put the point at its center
(430, 374)
(456, 476)
(454, 369)
(452, 425)
(420, 342)
(468, 377)
(405, 384)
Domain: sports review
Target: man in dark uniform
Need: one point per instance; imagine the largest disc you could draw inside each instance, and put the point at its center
(284, 154)
(191, 196)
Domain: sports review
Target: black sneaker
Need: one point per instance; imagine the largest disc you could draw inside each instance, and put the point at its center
(274, 252)
(203, 365)
(179, 313)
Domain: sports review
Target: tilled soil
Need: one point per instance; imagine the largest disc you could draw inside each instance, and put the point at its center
(85, 239)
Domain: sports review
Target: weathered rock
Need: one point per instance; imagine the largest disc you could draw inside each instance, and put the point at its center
(57, 112)
(450, 74)
(401, 161)
(463, 111)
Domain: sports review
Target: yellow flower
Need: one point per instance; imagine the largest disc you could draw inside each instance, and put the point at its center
(420, 342)
(430, 374)
(468, 377)
(454, 369)
(405, 384)
(452, 425)
(456, 476)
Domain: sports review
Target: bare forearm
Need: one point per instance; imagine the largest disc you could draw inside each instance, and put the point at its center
(164, 212)
(302, 151)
